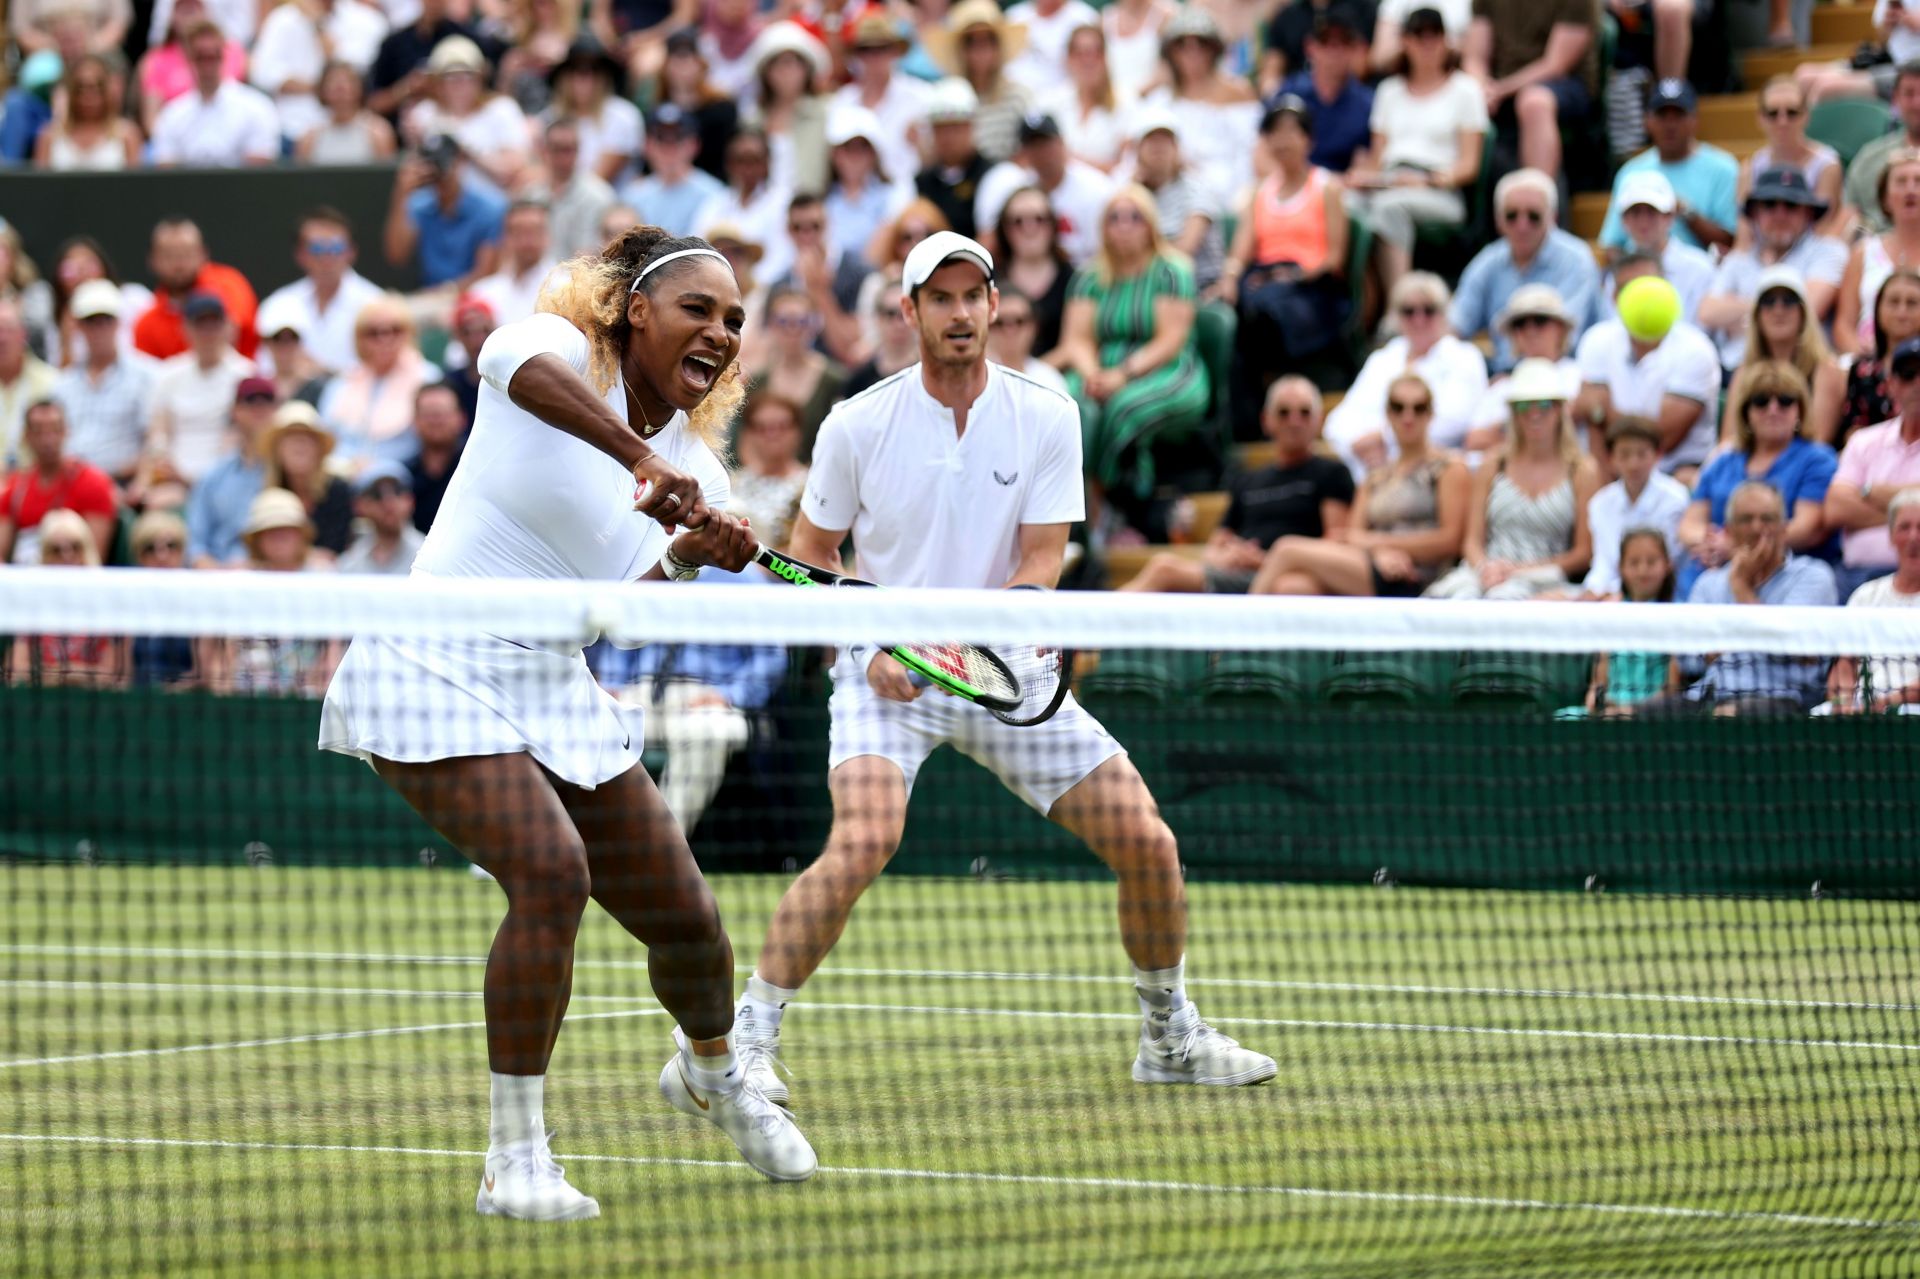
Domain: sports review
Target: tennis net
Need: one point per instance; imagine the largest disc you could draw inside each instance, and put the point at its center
(1562, 971)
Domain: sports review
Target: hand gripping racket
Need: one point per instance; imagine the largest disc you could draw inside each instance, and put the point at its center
(1019, 684)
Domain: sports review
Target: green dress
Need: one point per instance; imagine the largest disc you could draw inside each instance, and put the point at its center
(1166, 403)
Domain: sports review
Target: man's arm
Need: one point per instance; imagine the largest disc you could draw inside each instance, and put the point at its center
(1848, 509)
(1678, 414)
(1042, 548)
(816, 545)
(402, 236)
(1566, 46)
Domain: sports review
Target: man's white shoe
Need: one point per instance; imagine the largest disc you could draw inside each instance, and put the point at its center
(1182, 1049)
(765, 1134)
(522, 1181)
(759, 1052)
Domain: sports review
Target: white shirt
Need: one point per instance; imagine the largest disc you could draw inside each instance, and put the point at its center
(1815, 258)
(902, 107)
(1216, 142)
(1689, 270)
(198, 406)
(762, 218)
(1077, 202)
(290, 49)
(1684, 364)
(1043, 63)
(1456, 373)
(1889, 674)
(618, 128)
(512, 296)
(1423, 132)
(1610, 513)
(327, 333)
(1132, 60)
(499, 125)
(1097, 137)
(931, 508)
(529, 500)
(237, 20)
(238, 126)
(1902, 44)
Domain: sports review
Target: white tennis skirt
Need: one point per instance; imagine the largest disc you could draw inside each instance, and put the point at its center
(418, 700)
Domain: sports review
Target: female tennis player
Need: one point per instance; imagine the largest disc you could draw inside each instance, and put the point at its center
(621, 384)
(958, 472)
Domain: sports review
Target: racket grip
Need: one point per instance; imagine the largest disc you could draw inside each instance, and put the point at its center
(918, 680)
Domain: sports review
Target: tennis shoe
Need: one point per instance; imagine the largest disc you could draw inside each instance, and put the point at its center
(1179, 1048)
(765, 1134)
(524, 1182)
(758, 1049)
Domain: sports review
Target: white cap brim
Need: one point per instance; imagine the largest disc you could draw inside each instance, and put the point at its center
(936, 251)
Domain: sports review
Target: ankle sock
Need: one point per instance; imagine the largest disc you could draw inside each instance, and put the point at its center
(517, 1104)
(767, 1003)
(1161, 990)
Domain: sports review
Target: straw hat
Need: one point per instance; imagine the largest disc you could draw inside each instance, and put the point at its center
(733, 233)
(275, 508)
(788, 37)
(944, 43)
(296, 415)
(872, 27)
(1534, 300)
(454, 54)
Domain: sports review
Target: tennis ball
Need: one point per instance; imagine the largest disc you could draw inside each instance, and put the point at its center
(1648, 307)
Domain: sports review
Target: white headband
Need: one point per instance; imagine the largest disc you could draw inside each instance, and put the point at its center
(657, 263)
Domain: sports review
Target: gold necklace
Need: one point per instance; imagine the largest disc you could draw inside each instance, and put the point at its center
(647, 429)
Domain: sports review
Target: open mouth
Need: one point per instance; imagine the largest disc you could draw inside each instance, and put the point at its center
(961, 337)
(700, 370)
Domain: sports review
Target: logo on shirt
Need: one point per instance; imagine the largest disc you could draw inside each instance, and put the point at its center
(1005, 479)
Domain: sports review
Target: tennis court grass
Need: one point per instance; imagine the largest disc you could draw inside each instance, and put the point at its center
(230, 1071)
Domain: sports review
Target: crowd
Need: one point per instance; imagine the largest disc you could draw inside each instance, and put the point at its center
(1191, 205)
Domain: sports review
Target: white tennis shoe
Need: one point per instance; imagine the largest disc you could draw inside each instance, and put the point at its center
(1181, 1049)
(765, 1134)
(759, 1052)
(524, 1182)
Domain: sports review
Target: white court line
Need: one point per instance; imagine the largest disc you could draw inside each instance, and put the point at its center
(1411, 1198)
(938, 974)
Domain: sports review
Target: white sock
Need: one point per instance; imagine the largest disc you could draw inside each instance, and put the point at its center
(715, 1074)
(1161, 990)
(517, 1103)
(767, 1003)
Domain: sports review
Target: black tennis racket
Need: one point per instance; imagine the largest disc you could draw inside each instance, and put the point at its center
(1019, 684)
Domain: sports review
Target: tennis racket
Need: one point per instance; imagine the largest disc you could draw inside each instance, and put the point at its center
(1021, 684)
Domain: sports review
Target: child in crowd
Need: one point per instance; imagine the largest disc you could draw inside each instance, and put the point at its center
(1622, 679)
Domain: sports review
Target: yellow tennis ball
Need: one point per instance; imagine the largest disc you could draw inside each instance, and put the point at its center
(1649, 307)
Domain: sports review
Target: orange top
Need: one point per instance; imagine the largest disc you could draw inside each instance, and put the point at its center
(1292, 229)
(162, 332)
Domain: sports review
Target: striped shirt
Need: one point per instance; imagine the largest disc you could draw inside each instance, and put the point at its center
(107, 416)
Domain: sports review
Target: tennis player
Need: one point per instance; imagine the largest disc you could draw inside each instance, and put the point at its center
(619, 386)
(959, 472)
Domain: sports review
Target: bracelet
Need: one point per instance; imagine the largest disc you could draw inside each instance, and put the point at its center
(677, 569)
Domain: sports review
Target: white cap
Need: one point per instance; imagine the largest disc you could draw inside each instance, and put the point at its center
(278, 315)
(96, 297)
(952, 99)
(1645, 186)
(1536, 380)
(1151, 117)
(847, 121)
(933, 252)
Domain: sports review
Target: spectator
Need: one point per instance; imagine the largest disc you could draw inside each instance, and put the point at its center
(217, 507)
(1360, 429)
(1527, 531)
(369, 406)
(1621, 681)
(1871, 71)
(20, 283)
(585, 88)
(84, 661)
(279, 539)
(165, 73)
(1292, 27)
(1647, 204)
(1530, 250)
(1896, 317)
(193, 394)
(1390, 30)
(1874, 257)
(769, 475)
(440, 424)
(744, 254)
(896, 237)
(1091, 113)
(348, 133)
(1540, 64)
(526, 260)
(637, 30)
(1303, 495)
(295, 44)
(1785, 330)
(33, 23)
(1639, 501)
(976, 44)
(538, 35)
(617, 221)
(788, 63)
(683, 81)
(1669, 377)
(25, 379)
(1130, 43)
(675, 194)
(219, 123)
(296, 374)
(1878, 462)
(329, 293)
(1870, 161)
(91, 133)
(1411, 515)
(951, 177)
(400, 76)
(1892, 683)
(53, 481)
(491, 129)
(1771, 447)
(576, 198)
(440, 222)
(749, 202)
(727, 32)
(830, 279)
(1218, 113)
(863, 195)
(1129, 353)
(180, 266)
(1189, 215)
(107, 396)
(27, 109)
(895, 343)
(794, 371)
(158, 540)
(1010, 340)
(1031, 258)
(1704, 178)
(296, 446)
(386, 540)
(79, 259)
(1783, 119)
(1342, 103)
(1049, 25)
(1783, 211)
(1759, 570)
(1076, 192)
(1537, 326)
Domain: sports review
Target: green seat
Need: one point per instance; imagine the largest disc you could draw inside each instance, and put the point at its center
(1149, 674)
(1388, 679)
(434, 342)
(1545, 680)
(1214, 324)
(1283, 675)
(1847, 124)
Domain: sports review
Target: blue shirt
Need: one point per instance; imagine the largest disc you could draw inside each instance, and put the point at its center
(1564, 261)
(852, 221)
(1705, 182)
(675, 206)
(1340, 127)
(1801, 580)
(1801, 474)
(217, 508)
(450, 243)
(747, 675)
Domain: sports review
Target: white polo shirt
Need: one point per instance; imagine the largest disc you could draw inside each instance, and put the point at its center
(1684, 364)
(1610, 513)
(929, 507)
(239, 126)
(327, 334)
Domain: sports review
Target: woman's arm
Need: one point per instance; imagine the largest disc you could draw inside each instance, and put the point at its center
(1193, 234)
(1829, 401)
(1846, 308)
(1575, 559)
(1473, 543)
(1597, 685)
(1076, 352)
(1443, 541)
(1336, 206)
(1807, 527)
(1466, 170)
(1172, 325)
(1694, 524)
(1239, 253)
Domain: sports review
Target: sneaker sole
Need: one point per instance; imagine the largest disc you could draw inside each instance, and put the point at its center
(584, 1212)
(1147, 1073)
(677, 1098)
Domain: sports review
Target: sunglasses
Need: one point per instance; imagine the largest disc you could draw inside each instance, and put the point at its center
(979, 39)
(259, 397)
(1773, 400)
(382, 331)
(1535, 321)
(1535, 406)
(1301, 410)
(792, 322)
(1012, 322)
(1778, 297)
(161, 544)
(1419, 408)
(331, 247)
(61, 548)
(1419, 311)
(1125, 215)
(1029, 219)
(1771, 206)
(1781, 113)
(805, 228)
(1533, 216)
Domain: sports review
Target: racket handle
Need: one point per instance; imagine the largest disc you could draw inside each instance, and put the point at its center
(918, 680)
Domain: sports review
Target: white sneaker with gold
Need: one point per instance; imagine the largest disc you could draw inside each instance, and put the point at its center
(765, 1133)
(524, 1182)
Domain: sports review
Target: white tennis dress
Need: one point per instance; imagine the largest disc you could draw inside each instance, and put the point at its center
(527, 501)
(929, 507)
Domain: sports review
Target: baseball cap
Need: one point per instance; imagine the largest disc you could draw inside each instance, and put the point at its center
(96, 297)
(384, 469)
(251, 388)
(1672, 92)
(951, 100)
(1037, 126)
(1905, 360)
(1784, 186)
(847, 121)
(1153, 117)
(470, 305)
(933, 252)
(280, 315)
(685, 40)
(1648, 187)
(1336, 18)
(1423, 20)
(203, 306)
(1288, 104)
(668, 117)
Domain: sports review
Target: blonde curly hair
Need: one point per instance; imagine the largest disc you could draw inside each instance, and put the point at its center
(590, 293)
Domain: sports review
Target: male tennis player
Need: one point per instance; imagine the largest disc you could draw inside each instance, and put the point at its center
(959, 472)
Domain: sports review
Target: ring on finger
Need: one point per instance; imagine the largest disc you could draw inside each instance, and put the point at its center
(672, 499)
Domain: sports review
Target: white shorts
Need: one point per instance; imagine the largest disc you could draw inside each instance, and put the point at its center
(1039, 763)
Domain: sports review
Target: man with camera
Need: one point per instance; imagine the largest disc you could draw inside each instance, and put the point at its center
(442, 224)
